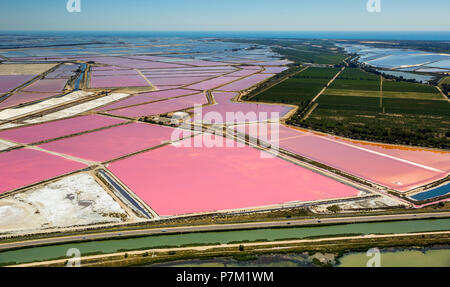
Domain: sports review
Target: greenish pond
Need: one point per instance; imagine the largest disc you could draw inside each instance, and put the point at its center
(401, 258)
(115, 245)
(269, 260)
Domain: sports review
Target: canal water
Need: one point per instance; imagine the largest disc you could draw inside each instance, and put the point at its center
(439, 191)
(220, 237)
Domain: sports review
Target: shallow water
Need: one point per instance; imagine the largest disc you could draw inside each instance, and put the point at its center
(397, 58)
(409, 76)
(401, 258)
(392, 257)
(271, 260)
(110, 246)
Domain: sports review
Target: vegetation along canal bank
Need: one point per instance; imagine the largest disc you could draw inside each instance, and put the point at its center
(235, 237)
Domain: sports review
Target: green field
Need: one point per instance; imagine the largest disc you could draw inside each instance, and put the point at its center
(356, 82)
(445, 80)
(300, 51)
(376, 94)
(407, 113)
(408, 87)
(308, 54)
(356, 79)
(299, 89)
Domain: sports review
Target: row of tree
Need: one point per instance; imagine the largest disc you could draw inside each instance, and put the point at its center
(379, 133)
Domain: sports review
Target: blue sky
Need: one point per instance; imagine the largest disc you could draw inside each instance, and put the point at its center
(226, 15)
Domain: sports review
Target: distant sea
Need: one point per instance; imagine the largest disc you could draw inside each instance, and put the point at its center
(356, 35)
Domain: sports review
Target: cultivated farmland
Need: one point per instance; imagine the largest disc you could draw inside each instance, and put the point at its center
(299, 89)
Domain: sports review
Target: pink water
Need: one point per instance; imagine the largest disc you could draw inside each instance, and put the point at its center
(23, 167)
(184, 75)
(51, 130)
(147, 97)
(213, 83)
(189, 70)
(112, 143)
(8, 83)
(152, 58)
(383, 170)
(251, 68)
(224, 106)
(161, 107)
(107, 69)
(246, 82)
(176, 80)
(114, 73)
(181, 180)
(242, 73)
(394, 167)
(433, 158)
(118, 81)
(22, 98)
(50, 85)
(169, 87)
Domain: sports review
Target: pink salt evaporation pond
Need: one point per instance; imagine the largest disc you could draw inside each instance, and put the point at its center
(118, 81)
(128, 72)
(161, 107)
(147, 98)
(23, 98)
(274, 63)
(242, 73)
(397, 170)
(9, 82)
(113, 142)
(182, 180)
(131, 63)
(47, 85)
(51, 130)
(245, 83)
(438, 159)
(241, 111)
(212, 83)
(168, 80)
(23, 167)
(202, 63)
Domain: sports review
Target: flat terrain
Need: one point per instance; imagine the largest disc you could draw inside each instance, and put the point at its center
(94, 145)
(398, 168)
(203, 179)
(74, 200)
(302, 51)
(221, 227)
(24, 69)
(300, 89)
(357, 106)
